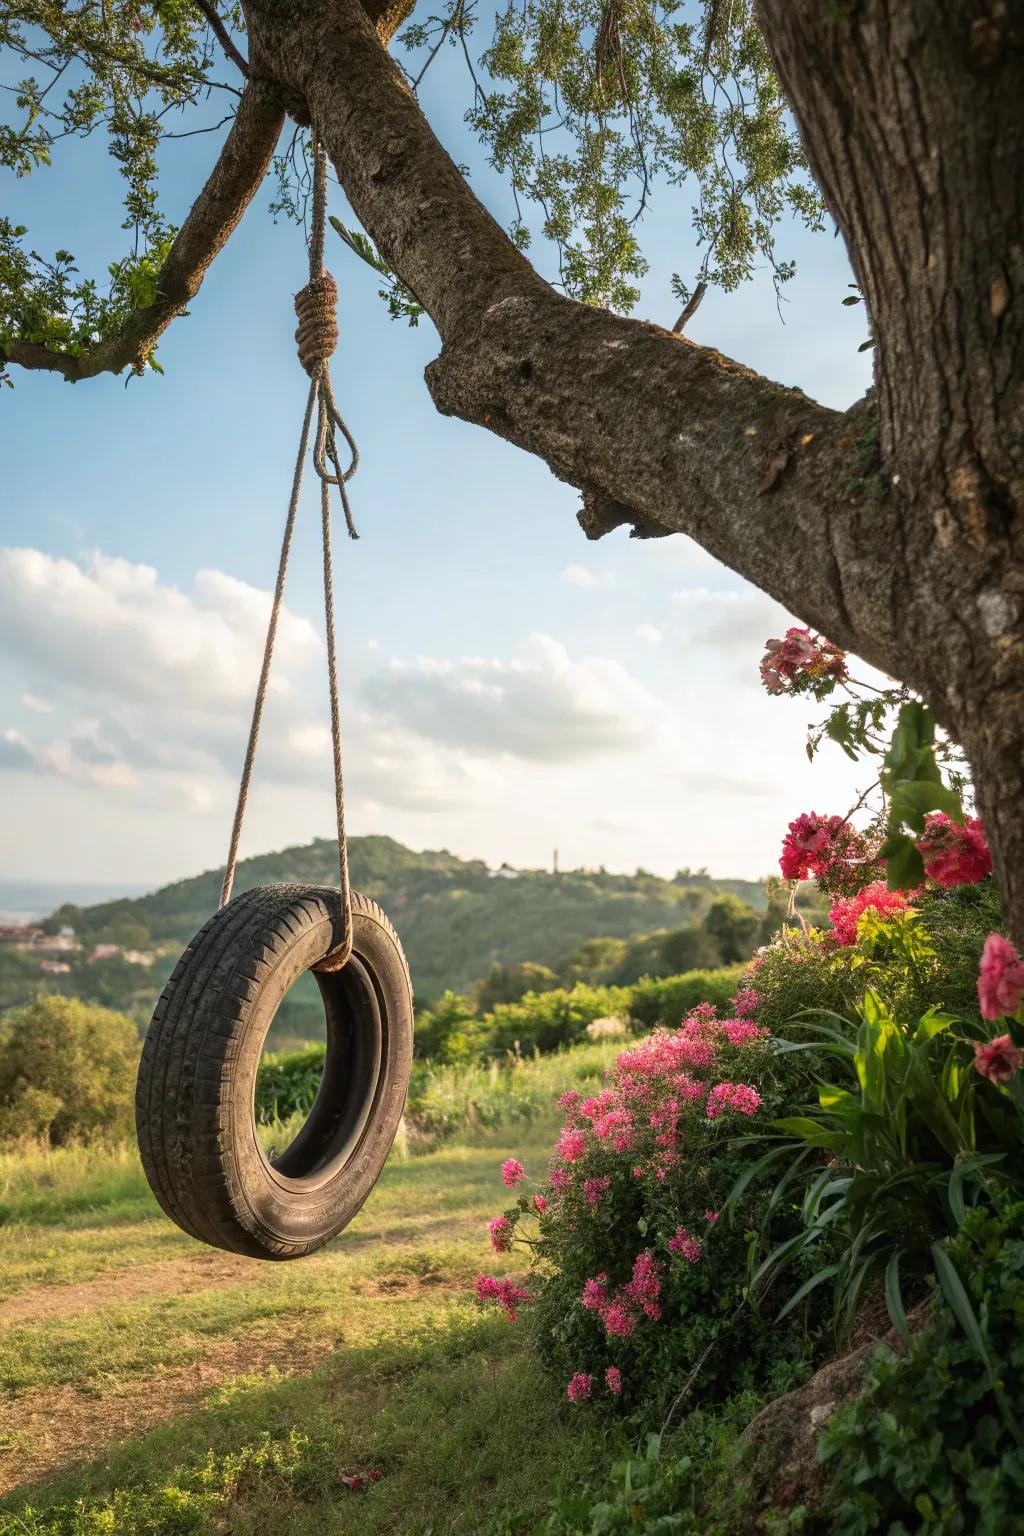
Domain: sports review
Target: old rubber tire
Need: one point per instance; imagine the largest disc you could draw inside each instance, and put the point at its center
(195, 1098)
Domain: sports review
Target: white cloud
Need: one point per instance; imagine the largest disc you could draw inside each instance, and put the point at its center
(110, 626)
(579, 576)
(542, 706)
(36, 705)
(650, 633)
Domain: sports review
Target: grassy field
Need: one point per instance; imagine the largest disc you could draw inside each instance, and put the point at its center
(151, 1385)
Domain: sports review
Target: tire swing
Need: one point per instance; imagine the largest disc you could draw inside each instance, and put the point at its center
(195, 1099)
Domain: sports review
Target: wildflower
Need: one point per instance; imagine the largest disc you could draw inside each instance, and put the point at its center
(501, 1233)
(645, 1286)
(595, 1188)
(613, 1379)
(691, 1248)
(802, 663)
(998, 1060)
(618, 1320)
(505, 1292)
(741, 1031)
(954, 853)
(569, 1101)
(595, 1293)
(739, 1096)
(1000, 977)
(571, 1145)
(746, 1003)
(580, 1387)
(560, 1180)
(512, 1172)
(540, 1204)
(847, 912)
(710, 1215)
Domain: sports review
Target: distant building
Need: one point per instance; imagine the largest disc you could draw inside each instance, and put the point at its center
(54, 967)
(104, 952)
(138, 957)
(506, 872)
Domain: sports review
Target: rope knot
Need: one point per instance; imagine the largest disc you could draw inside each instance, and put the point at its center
(317, 333)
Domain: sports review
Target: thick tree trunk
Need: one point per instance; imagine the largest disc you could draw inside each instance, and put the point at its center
(911, 114)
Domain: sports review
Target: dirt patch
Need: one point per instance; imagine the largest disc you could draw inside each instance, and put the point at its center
(59, 1426)
(201, 1272)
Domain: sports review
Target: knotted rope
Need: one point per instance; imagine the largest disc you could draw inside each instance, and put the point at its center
(317, 337)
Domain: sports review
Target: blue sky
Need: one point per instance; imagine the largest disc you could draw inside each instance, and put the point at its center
(508, 687)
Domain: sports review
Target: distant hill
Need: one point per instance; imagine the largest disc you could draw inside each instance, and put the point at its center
(456, 917)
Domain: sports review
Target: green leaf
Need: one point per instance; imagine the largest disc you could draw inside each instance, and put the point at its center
(894, 1295)
(808, 1286)
(960, 1303)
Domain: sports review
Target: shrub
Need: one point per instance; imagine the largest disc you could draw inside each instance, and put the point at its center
(929, 1445)
(67, 1072)
(635, 1272)
(287, 1083)
(546, 1021)
(449, 1031)
(657, 1002)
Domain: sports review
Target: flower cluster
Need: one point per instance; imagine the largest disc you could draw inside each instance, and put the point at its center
(512, 1172)
(505, 1292)
(802, 663)
(954, 853)
(691, 1248)
(848, 911)
(501, 1233)
(826, 848)
(1000, 978)
(620, 1310)
(998, 1060)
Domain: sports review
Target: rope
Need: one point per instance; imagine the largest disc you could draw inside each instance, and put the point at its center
(316, 338)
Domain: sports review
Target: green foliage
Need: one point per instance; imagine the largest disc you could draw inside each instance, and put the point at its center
(593, 101)
(546, 1021)
(287, 1083)
(509, 983)
(932, 1443)
(124, 69)
(67, 1072)
(734, 927)
(912, 781)
(668, 1000)
(904, 1138)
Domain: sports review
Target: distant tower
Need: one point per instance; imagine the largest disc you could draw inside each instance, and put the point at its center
(554, 863)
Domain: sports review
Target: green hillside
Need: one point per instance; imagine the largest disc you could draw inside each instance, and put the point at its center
(456, 919)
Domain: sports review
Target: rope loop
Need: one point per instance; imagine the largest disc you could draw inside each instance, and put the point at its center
(316, 337)
(317, 334)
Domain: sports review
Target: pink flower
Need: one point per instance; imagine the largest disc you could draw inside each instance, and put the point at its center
(580, 1387)
(569, 1101)
(998, 1060)
(571, 1145)
(802, 663)
(847, 912)
(505, 1292)
(595, 1188)
(954, 853)
(501, 1233)
(619, 1321)
(710, 1215)
(741, 1031)
(691, 1248)
(738, 1096)
(595, 1293)
(1000, 977)
(512, 1172)
(539, 1203)
(613, 1379)
(746, 1003)
(561, 1180)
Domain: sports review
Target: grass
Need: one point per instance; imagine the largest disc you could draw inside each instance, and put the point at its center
(259, 1392)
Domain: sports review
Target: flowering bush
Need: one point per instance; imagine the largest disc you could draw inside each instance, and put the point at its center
(802, 663)
(636, 1282)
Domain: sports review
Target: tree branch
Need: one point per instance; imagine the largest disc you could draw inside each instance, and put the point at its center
(240, 169)
(223, 36)
(657, 431)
